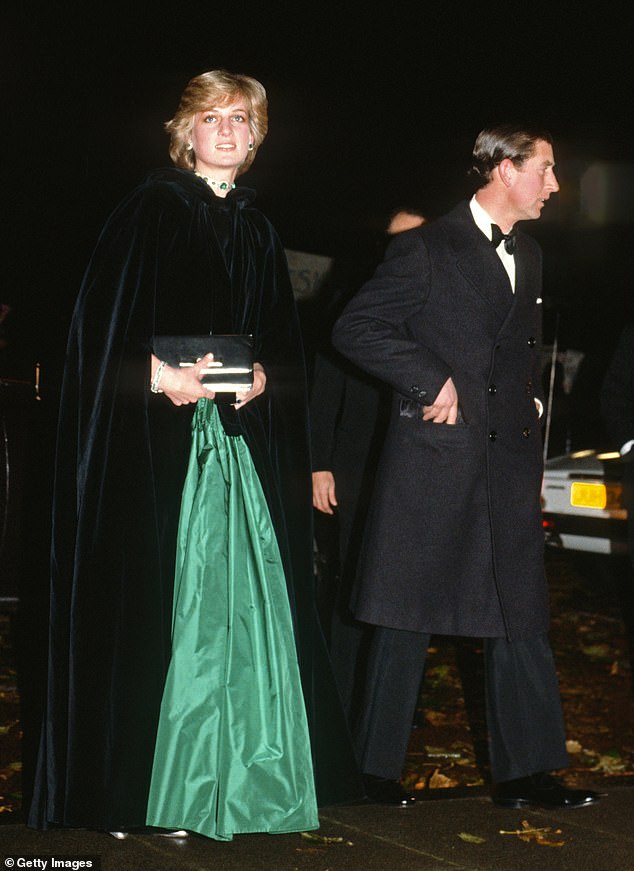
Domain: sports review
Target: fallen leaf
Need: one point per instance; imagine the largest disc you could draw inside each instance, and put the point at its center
(471, 839)
(436, 718)
(573, 747)
(609, 763)
(598, 651)
(326, 840)
(442, 676)
(431, 750)
(437, 780)
(541, 836)
(442, 754)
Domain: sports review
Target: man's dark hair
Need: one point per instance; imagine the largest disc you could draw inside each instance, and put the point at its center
(501, 142)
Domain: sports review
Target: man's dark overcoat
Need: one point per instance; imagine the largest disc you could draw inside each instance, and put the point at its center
(454, 541)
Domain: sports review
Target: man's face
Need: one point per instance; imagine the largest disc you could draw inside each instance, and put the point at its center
(533, 183)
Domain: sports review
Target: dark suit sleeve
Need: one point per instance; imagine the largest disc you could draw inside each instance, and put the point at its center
(376, 329)
(325, 408)
(617, 391)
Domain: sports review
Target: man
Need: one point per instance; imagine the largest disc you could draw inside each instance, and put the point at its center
(348, 416)
(454, 544)
(617, 394)
(617, 413)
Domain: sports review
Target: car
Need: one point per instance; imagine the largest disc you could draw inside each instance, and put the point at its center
(582, 503)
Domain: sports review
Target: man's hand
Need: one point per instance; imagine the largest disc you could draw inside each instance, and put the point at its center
(444, 408)
(324, 498)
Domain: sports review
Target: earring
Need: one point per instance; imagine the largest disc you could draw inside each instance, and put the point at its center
(190, 147)
(250, 146)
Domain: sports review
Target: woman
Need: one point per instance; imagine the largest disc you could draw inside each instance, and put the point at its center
(186, 254)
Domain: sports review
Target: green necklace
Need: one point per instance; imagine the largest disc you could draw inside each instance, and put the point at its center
(221, 185)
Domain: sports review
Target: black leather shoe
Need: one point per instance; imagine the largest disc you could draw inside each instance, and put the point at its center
(541, 790)
(383, 791)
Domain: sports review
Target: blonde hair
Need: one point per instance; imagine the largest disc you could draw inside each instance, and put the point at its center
(216, 88)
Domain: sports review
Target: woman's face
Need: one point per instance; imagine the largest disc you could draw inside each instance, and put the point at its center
(220, 138)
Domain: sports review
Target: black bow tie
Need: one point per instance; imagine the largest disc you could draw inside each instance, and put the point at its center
(509, 238)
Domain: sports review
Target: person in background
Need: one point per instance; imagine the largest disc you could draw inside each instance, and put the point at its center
(617, 393)
(453, 543)
(348, 416)
(617, 415)
(183, 622)
(404, 218)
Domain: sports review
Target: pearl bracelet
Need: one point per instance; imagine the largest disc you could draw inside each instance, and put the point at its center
(154, 386)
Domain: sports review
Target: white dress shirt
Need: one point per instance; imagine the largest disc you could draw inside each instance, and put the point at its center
(483, 222)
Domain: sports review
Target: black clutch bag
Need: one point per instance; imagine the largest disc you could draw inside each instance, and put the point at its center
(231, 368)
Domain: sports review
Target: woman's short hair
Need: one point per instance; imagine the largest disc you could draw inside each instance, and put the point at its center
(501, 142)
(216, 88)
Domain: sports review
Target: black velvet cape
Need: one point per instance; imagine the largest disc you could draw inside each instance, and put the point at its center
(172, 259)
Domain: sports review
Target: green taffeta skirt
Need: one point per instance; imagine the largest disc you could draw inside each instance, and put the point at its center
(232, 752)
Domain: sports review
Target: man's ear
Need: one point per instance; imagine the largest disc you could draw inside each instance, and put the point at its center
(506, 171)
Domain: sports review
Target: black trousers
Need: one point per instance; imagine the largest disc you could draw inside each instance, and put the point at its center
(338, 540)
(523, 706)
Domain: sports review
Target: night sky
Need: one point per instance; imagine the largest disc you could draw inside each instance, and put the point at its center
(368, 110)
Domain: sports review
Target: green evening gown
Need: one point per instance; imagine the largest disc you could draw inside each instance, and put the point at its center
(232, 751)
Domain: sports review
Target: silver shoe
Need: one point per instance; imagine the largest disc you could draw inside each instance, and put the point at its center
(120, 836)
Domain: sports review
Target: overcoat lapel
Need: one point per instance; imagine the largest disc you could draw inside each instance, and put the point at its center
(479, 264)
(527, 275)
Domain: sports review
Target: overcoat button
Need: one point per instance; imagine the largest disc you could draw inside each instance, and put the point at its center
(526, 432)
(532, 341)
(493, 435)
(492, 389)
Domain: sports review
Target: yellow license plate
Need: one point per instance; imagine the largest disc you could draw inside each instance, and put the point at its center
(584, 495)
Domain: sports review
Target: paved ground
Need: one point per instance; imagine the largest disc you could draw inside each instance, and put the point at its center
(454, 826)
(444, 834)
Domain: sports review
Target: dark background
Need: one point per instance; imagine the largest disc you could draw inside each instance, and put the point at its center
(370, 108)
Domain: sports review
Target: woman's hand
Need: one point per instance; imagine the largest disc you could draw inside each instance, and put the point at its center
(258, 387)
(183, 386)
